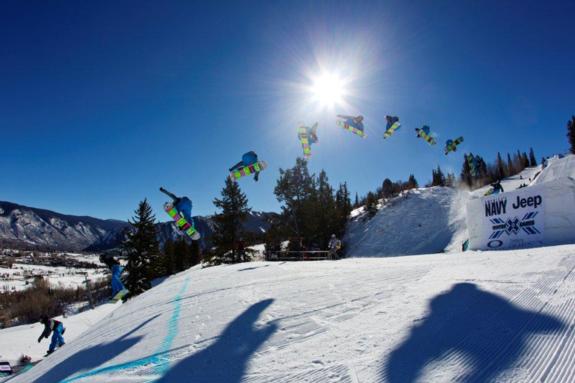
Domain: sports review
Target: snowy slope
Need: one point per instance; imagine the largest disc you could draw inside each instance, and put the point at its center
(557, 167)
(420, 221)
(491, 316)
(23, 340)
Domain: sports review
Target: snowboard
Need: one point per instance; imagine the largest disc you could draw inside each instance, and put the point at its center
(181, 222)
(352, 129)
(453, 146)
(248, 170)
(303, 138)
(121, 294)
(396, 125)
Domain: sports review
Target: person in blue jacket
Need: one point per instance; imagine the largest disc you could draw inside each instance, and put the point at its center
(57, 329)
(116, 269)
(182, 204)
(248, 159)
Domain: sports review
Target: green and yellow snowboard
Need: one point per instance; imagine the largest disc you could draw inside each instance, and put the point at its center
(248, 170)
(181, 222)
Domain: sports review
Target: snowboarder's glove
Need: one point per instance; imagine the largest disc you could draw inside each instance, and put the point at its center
(40, 339)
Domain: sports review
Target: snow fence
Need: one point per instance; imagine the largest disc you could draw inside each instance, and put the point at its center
(539, 215)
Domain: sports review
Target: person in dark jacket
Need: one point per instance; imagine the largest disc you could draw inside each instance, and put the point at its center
(497, 188)
(57, 329)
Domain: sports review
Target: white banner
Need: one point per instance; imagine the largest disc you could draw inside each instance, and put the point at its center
(508, 220)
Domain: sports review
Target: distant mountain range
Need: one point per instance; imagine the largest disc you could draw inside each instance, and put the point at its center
(23, 227)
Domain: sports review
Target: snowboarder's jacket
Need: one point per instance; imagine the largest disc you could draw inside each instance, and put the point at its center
(49, 326)
(334, 244)
(249, 158)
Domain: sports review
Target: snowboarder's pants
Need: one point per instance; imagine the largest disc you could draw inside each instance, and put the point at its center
(117, 284)
(57, 338)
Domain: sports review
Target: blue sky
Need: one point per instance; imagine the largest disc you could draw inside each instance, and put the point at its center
(103, 102)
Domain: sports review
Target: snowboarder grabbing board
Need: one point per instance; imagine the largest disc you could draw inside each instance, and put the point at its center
(352, 123)
(426, 134)
(392, 125)
(180, 210)
(307, 136)
(247, 166)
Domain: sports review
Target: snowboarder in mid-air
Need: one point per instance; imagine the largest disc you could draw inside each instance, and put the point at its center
(426, 134)
(352, 123)
(249, 158)
(183, 205)
(118, 288)
(391, 126)
(307, 136)
(451, 145)
(57, 329)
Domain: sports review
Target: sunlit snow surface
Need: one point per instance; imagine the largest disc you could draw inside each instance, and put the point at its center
(475, 316)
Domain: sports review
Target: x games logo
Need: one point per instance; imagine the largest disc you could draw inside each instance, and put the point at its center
(512, 226)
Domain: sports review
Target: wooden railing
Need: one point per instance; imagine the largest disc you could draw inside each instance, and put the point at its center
(304, 255)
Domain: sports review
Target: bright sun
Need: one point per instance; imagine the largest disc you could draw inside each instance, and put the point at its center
(328, 90)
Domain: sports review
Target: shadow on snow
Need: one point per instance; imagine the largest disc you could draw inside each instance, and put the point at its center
(226, 360)
(92, 357)
(487, 330)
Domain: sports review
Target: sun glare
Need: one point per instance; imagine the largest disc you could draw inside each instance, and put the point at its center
(328, 90)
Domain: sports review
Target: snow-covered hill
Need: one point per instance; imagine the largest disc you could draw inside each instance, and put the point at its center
(423, 221)
(420, 221)
(504, 316)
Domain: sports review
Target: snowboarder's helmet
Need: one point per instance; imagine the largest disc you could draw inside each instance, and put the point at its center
(333, 235)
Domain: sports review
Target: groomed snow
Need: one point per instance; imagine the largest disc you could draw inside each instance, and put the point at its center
(474, 316)
(23, 340)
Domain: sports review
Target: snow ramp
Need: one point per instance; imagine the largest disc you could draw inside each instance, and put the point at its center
(502, 316)
(419, 221)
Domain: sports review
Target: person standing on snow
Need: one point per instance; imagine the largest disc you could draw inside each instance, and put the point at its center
(116, 269)
(248, 159)
(57, 329)
(334, 245)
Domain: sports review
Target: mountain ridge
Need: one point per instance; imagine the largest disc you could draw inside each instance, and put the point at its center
(29, 228)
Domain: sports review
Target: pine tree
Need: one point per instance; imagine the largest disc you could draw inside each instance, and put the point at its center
(180, 255)
(356, 203)
(437, 178)
(571, 134)
(387, 188)
(343, 208)
(466, 176)
(168, 257)
(371, 204)
(525, 160)
(500, 167)
(412, 182)
(532, 159)
(143, 250)
(228, 223)
(510, 167)
(294, 189)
